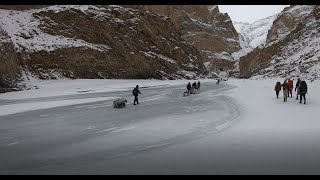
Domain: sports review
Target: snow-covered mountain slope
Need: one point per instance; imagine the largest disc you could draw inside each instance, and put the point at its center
(245, 48)
(287, 21)
(250, 36)
(81, 41)
(292, 53)
(255, 33)
(25, 33)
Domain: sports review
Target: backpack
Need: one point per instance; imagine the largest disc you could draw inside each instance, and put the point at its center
(290, 84)
(134, 91)
(285, 86)
(303, 86)
(278, 86)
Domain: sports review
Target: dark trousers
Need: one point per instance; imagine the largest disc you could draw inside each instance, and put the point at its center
(188, 91)
(290, 93)
(277, 93)
(304, 97)
(135, 100)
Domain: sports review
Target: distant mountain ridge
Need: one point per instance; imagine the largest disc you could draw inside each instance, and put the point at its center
(255, 33)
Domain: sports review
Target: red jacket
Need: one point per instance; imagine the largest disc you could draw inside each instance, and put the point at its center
(290, 84)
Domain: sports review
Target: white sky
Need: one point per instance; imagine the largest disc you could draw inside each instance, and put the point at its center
(250, 13)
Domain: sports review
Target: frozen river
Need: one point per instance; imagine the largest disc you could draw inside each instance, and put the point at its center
(95, 138)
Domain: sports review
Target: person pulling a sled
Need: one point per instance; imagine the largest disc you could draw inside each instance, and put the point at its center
(136, 92)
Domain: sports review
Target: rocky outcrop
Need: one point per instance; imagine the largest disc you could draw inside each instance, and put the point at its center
(100, 42)
(292, 48)
(10, 72)
(210, 31)
(287, 21)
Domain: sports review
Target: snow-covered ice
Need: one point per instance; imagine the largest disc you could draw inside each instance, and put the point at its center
(236, 127)
(23, 107)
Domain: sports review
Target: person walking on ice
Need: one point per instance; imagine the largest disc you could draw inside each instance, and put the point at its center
(189, 87)
(277, 88)
(297, 87)
(285, 90)
(303, 89)
(290, 85)
(136, 92)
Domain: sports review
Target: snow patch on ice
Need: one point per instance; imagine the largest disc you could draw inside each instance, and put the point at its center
(24, 107)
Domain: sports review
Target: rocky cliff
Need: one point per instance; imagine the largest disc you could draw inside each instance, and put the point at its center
(292, 47)
(210, 31)
(10, 72)
(97, 42)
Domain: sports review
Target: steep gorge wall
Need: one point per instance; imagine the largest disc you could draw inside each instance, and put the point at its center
(292, 49)
(205, 28)
(97, 42)
(10, 73)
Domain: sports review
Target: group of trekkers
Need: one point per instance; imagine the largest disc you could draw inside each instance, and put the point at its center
(301, 88)
(119, 103)
(191, 89)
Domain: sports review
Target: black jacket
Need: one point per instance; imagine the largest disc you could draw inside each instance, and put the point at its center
(189, 86)
(303, 88)
(297, 85)
(135, 91)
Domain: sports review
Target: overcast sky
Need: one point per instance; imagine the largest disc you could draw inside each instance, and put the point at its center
(250, 13)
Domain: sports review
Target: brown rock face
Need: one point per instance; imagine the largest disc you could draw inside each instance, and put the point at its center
(287, 21)
(9, 68)
(131, 44)
(210, 31)
(290, 53)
